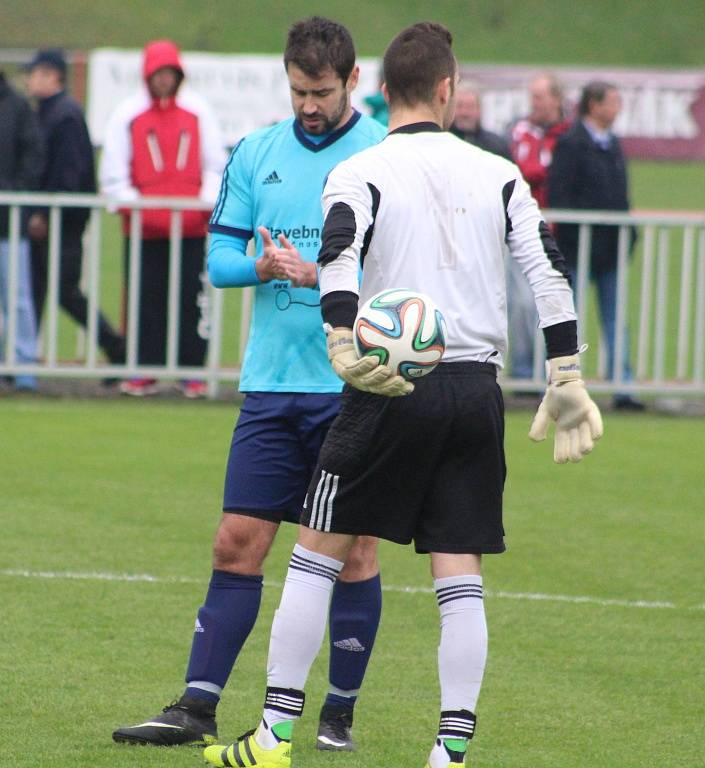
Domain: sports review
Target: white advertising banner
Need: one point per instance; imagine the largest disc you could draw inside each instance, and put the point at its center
(246, 91)
(663, 115)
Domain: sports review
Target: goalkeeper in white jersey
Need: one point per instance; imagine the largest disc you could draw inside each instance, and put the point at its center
(422, 210)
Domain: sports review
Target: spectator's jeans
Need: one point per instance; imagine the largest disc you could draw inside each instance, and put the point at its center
(606, 284)
(523, 321)
(26, 329)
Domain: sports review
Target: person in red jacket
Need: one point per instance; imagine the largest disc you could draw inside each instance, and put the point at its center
(164, 141)
(534, 138)
(532, 141)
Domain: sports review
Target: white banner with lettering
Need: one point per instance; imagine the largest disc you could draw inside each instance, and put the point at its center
(246, 92)
(663, 115)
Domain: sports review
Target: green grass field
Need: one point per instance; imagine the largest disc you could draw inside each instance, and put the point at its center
(538, 31)
(596, 612)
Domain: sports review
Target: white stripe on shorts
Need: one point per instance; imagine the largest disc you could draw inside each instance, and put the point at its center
(314, 505)
(329, 506)
(322, 507)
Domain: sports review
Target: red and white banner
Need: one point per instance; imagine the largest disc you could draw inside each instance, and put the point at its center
(663, 114)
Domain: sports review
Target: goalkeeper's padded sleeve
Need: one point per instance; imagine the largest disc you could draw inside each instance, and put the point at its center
(364, 373)
(567, 403)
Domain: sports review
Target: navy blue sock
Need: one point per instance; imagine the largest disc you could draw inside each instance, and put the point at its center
(355, 609)
(224, 622)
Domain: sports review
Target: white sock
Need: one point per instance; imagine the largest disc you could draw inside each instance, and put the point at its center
(461, 664)
(462, 652)
(297, 634)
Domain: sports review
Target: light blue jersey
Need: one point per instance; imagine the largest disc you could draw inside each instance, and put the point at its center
(275, 178)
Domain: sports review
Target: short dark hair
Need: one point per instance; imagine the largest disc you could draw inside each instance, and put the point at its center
(418, 58)
(595, 90)
(317, 43)
(49, 58)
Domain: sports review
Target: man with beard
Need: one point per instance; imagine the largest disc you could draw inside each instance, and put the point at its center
(271, 191)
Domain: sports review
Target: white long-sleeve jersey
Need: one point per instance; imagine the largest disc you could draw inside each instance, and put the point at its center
(426, 211)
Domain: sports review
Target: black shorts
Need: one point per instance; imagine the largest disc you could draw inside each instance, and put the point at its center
(428, 467)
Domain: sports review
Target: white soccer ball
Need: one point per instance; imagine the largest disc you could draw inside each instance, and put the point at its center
(404, 329)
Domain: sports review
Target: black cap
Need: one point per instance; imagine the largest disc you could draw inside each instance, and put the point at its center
(49, 57)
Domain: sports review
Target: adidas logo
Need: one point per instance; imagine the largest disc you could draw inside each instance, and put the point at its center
(273, 178)
(351, 644)
(198, 627)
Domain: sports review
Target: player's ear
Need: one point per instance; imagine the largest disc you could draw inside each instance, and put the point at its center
(444, 90)
(385, 92)
(353, 77)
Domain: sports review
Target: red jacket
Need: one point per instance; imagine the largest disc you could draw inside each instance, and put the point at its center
(162, 147)
(532, 148)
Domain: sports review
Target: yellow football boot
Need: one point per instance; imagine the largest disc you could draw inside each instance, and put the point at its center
(246, 752)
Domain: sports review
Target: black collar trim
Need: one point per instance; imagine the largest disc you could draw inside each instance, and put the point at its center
(417, 128)
(332, 138)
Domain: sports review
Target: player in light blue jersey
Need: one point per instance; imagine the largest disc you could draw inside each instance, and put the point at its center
(271, 190)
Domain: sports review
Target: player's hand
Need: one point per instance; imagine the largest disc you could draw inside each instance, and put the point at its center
(364, 373)
(289, 262)
(567, 403)
(266, 266)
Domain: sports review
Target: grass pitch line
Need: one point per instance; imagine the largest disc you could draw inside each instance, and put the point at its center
(500, 594)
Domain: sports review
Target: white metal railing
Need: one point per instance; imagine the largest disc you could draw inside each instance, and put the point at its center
(668, 327)
(670, 322)
(213, 371)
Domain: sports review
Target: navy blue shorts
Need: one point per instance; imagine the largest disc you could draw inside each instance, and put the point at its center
(274, 451)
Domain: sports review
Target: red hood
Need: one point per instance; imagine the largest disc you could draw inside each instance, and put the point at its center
(158, 54)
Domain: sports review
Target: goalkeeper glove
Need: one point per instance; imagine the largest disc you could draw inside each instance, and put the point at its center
(363, 373)
(578, 419)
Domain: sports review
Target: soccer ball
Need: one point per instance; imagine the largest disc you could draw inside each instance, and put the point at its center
(404, 329)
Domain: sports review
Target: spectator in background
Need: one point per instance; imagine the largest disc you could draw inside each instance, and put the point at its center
(377, 104)
(589, 172)
(165, 142)
(69, 168)
(532, 143)
(467, 122)
(534, 138)
(21, 166)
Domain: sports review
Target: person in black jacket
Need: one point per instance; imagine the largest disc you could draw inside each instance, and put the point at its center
(21, 166)
(467, 122)
(589, 172)
(69, 168)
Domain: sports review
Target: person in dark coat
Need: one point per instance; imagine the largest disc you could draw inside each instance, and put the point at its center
(21, 167)
(467, 122)
(589, 172)
(69, 168)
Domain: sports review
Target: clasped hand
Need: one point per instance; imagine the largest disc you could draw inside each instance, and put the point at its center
(284, 262)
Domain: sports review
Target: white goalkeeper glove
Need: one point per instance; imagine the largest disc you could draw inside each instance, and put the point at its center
(363, 373)
(578, 419)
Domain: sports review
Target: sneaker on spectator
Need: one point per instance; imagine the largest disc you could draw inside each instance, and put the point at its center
(628, 403)
(194, 389)
(139, 387)
(25, 383)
